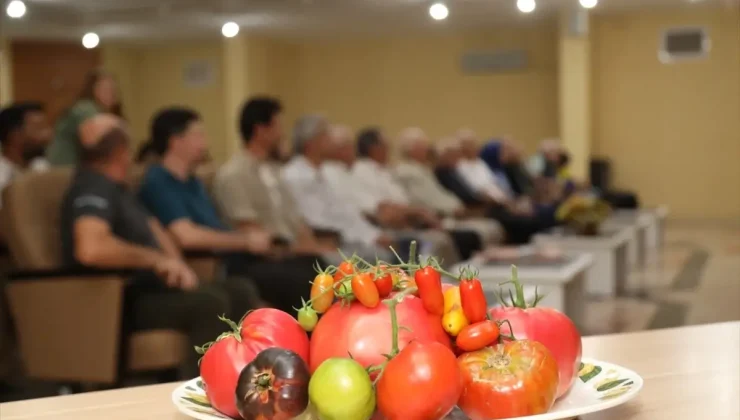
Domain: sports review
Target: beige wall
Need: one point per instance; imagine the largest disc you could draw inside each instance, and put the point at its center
(672, 131)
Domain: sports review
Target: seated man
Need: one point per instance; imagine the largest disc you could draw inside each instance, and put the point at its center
(322, 207)
(415, 174)
(476, 173)
(104, 226)
(24, 135)
(179, 200)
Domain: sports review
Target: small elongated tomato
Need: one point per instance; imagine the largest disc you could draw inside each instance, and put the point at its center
(365, 290)
(322, 292)
(515, 379)
(384, 283)
(454, 321)
(274, 386)
(476, 336)
(452, 299)
(473, 300)
(429, 283)
(345, 269)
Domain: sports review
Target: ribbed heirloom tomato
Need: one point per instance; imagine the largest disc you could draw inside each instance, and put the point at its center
(515, 379)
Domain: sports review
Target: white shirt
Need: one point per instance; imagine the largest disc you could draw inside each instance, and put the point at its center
(322, 207)
(477, 175)
(375, 184)
(9, 170)
(339, 177)
(424, 190)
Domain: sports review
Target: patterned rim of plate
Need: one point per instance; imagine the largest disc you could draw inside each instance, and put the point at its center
(614, 385)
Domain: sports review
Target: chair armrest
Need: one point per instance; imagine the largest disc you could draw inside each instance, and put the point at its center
(68, 327)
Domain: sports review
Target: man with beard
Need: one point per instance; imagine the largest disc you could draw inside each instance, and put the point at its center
(24, 135)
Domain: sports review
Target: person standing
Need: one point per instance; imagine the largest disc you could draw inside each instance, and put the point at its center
(99, 95)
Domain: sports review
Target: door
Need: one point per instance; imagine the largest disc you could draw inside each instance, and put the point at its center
(51, 72)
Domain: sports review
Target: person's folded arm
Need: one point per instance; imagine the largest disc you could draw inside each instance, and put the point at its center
(96, 246)
(191, 236)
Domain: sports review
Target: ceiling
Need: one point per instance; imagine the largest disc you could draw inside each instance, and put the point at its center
(187, 19)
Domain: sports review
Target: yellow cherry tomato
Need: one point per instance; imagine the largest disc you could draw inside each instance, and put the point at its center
(452, 299)
(454, 321)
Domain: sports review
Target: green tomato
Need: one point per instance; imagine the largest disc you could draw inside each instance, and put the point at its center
(341, 389)
(308, 318)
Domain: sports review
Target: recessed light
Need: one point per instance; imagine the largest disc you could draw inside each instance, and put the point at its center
(589, 4)
(526, 6)
(16, 9)
(438, 11)
(230, 29)
(90, 40)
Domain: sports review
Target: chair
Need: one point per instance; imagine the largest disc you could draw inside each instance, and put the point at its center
(69, 322)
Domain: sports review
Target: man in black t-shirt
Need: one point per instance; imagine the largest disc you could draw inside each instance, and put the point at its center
(103, 226)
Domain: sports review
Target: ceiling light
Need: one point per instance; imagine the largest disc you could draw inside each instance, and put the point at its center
(16, 9)
(230, 29)
(526, 6)
(90, 40)
(589, 4)
(438, 11)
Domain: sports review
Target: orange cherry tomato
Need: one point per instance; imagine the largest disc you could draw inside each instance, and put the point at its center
(365, 290)
(322, 292)
(452, 299)
(429, 282)
(384, 282)
(476, 336)
(345, 269)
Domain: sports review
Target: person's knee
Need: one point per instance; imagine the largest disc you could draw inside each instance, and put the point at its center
(209, 302)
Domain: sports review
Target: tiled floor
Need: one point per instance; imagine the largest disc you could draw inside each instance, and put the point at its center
(694, 280)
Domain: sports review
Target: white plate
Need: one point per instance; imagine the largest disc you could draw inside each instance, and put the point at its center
(601, 386)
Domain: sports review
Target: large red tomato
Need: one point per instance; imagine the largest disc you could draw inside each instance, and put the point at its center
(225, 358)
(423, 382)
(365, 333)
(510, 380)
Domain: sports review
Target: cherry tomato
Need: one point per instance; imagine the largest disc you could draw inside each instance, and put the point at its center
(515, 379)
(454, 321)
(322, 294)
(308, 318)
(384, 283)
(423, 382)
(452, 298)
(345, 269)
(473, 300)
(429, 283)
(476, 336)
(365, 290)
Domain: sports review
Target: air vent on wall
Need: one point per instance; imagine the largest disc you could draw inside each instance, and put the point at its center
(494, 61)
(679, 44)
(199, 73)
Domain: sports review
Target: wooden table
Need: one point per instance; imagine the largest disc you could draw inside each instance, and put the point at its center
(690, 373)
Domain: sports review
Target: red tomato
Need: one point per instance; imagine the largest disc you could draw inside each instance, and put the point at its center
(475, 337)
(429, 283)
(473, 300)
(322, 292)
(345, 268)
(551, 328)
(384, 283)
(220, 368)
(365, 333)
(423, 382)
(365, 290)
(515, 379)
(268, 327)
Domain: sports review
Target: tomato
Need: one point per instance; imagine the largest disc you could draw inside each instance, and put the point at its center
(547, 326)
(429, 283)
(423, 382)
(515, 379)
(452, 298)
(268, 327)
(341, 389)
(454, 321)
(307, 318)
(273, 386)
(473, 300)
(322, 293)
(345, 269)
(365, 333)
(384, 283)
(476, 336)
(365, 290)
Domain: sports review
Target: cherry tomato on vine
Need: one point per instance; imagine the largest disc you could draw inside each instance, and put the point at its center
(384, 282)
(476, 336)
(473, 300)
(308, 318)
(322, 292)
(365, 290)
(454, 321)
(345, 269)
(429, 283)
